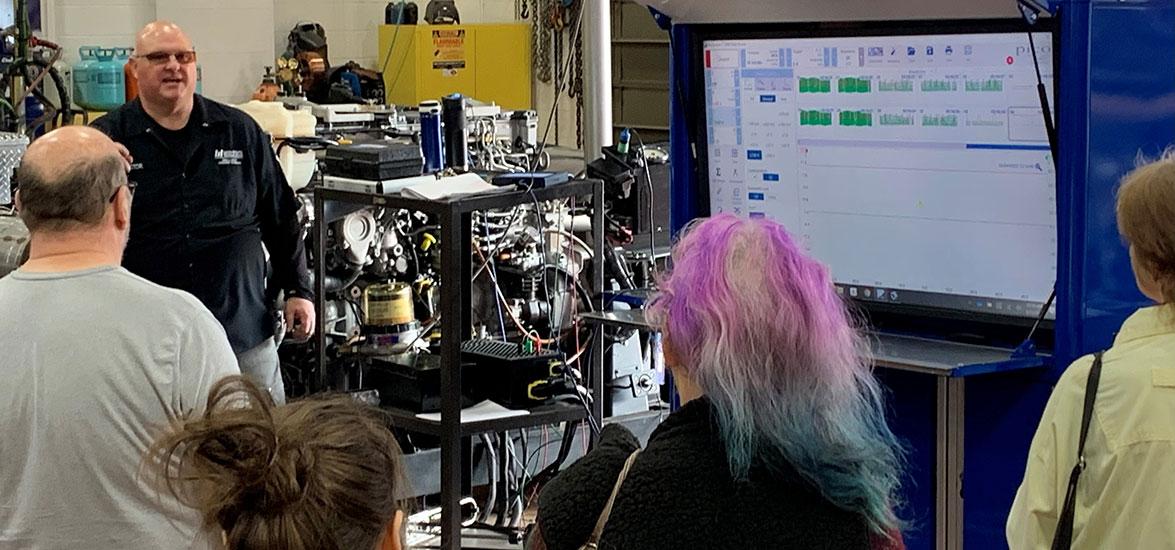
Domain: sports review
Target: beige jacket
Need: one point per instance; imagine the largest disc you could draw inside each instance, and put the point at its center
(1126, 496)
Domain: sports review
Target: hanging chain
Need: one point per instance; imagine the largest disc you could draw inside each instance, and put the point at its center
(542, 40)
(556, 21)
(577, 82)
(555, 9)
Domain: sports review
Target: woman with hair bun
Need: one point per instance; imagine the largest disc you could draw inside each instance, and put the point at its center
(781, 441)
(315, 474)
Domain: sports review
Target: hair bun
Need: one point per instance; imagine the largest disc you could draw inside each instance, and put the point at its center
(317, 473)
(285, 479)
(242, 448)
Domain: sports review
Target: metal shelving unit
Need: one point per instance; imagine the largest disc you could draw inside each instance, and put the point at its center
(542, 416)
(640, 72)
(455, 220)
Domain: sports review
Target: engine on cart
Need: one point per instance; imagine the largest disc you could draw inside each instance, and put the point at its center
(382, 286)
(529, 282)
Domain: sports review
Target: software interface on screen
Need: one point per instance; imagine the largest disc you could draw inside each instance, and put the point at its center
(916, 167)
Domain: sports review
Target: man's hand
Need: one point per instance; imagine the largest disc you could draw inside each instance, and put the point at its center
(127, 159)
(300, 321)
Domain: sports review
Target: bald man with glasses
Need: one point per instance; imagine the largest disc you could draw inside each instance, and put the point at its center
(211, 202)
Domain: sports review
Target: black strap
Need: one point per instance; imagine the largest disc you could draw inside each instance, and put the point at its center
(1063, 538)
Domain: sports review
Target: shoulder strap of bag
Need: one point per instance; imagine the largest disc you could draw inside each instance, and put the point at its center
(1063, 538)
(594, 539)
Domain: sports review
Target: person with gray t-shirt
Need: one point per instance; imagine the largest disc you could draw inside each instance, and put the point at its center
(97, 362)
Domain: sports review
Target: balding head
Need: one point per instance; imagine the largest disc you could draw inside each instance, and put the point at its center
(157, 33)
(165, 66)
(60, 149)
(68, 180)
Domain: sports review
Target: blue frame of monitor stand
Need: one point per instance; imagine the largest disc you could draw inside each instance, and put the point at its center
(1115, 99)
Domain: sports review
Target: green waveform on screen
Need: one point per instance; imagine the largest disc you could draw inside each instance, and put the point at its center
(940, 120)
(815, 85)
(850, 85)
(992, 85)
(897, 120)
(895, 86)
(856, 118)
(939, 86)
(815, 118)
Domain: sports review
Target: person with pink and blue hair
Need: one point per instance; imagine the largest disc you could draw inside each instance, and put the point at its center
(781, 440)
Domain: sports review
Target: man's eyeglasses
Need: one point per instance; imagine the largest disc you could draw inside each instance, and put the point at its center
(161, 58)
(130, 188)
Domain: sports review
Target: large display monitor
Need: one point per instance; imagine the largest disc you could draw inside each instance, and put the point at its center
(913, 162)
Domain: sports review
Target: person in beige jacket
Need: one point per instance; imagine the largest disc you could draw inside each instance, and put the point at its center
(1126, 494)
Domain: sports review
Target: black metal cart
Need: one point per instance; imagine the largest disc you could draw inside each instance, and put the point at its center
(454, 217)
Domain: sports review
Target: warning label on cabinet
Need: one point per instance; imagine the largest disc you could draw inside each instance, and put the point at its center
(448, 50)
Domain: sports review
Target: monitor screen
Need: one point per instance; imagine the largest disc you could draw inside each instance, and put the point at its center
(916, 166)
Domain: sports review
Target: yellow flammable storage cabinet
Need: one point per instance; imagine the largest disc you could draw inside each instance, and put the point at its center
(487, 62)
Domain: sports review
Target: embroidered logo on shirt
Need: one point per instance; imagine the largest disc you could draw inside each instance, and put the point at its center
(228, 157)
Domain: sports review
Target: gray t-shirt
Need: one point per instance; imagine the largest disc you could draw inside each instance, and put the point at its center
(93, 364)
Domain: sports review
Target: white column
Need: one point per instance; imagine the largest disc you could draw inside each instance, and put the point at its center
(597, 78)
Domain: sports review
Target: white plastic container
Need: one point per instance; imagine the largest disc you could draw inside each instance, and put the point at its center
(302, 123)
(273, 118)
(281, 123)
(298, 167)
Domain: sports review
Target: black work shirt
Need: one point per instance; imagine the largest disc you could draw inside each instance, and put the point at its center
(179, 141)
(199, 217)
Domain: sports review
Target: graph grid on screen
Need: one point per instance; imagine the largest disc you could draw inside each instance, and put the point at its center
(916, 167)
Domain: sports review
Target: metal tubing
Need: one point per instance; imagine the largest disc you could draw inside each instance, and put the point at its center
(597, 78)
(597, 365)
(319, 383)
(948, 514)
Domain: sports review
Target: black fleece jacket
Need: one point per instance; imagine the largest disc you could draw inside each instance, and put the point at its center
(679, 495)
